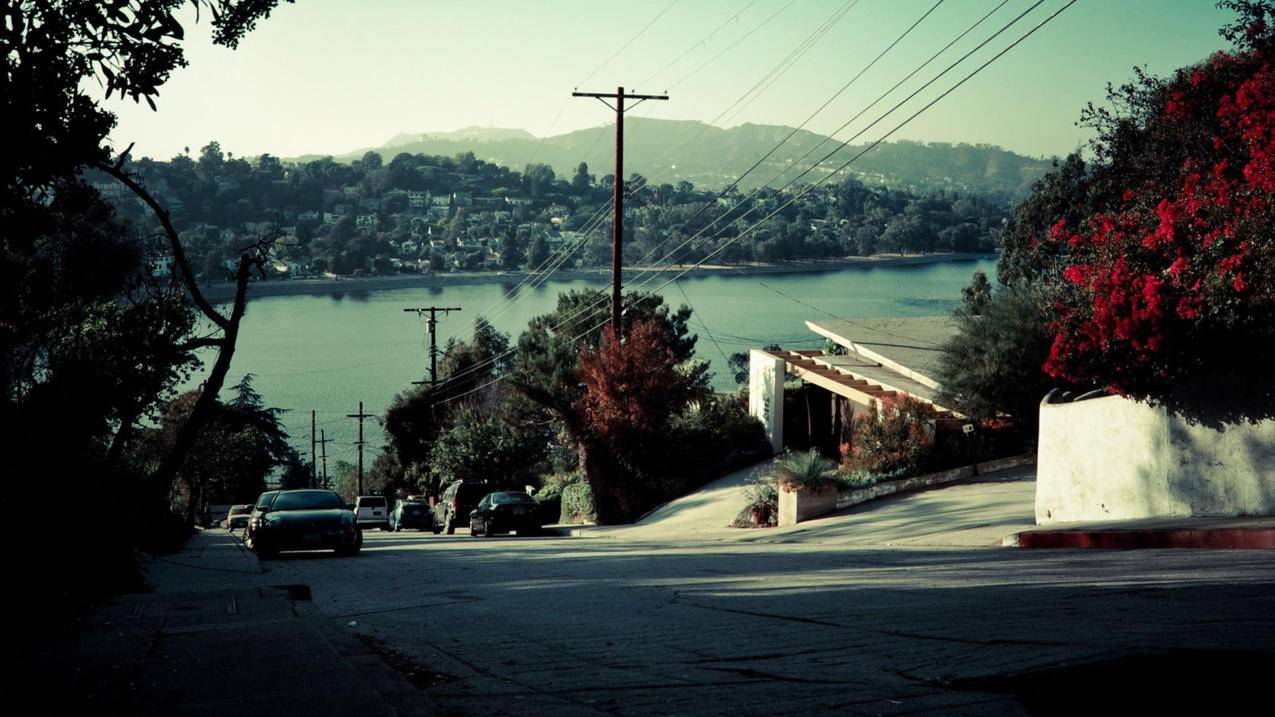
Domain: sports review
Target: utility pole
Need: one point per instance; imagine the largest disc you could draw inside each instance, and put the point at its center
(313, 467)
(323, 443)
(360, 415)
(617, 224)
(432, 322)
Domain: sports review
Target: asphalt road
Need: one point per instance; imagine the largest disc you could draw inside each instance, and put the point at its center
(568, 626)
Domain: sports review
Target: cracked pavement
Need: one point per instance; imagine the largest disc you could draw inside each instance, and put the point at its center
(578, 626)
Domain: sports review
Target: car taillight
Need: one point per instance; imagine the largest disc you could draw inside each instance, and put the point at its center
(455, 504)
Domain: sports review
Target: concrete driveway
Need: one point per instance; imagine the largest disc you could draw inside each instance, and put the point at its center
(976, 512)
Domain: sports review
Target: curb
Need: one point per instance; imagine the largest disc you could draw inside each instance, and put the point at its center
(1166, 538)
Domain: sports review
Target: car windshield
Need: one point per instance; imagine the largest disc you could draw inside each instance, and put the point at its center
(264, 500)
(240, 509)
(371, 502)
(506, 498)
(308, 500)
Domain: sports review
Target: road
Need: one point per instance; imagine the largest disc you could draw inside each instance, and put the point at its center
(589, 626)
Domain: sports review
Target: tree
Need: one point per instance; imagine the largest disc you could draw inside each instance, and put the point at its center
(55, 55)
(976, 297)
(582, 182)
(241, 444)
(1169, 275)
(538, 255)
(510, 252)
(631, 391)
(478, 448)
(993, 363)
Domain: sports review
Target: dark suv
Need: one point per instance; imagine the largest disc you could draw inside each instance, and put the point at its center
(454, 507)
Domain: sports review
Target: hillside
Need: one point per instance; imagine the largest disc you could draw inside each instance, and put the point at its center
(711, 156)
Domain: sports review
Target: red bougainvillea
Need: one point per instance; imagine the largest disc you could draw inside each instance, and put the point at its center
(1176, 275)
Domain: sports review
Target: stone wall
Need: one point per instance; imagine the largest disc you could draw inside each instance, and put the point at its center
(1110, 458)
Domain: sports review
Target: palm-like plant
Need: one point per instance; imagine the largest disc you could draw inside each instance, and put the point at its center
(805, 471)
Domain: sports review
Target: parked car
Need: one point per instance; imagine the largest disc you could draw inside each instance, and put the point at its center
(411, 514)
(306, 519)
(371, 510)
(505, 513)
(457, 501)
(237, 518)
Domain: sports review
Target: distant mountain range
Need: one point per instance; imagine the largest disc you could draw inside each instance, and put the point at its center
(711, 157)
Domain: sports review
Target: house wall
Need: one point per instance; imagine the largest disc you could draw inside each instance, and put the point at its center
(766, 395)
(1111, 458)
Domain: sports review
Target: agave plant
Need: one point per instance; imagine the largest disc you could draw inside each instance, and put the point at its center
(806, 471)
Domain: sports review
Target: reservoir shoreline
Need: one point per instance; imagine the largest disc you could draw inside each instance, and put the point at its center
(224, 291)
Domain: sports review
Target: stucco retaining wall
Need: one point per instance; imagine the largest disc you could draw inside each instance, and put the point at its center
(1111, 458)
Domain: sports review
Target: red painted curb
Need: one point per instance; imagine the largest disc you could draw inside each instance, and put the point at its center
(1214, 538)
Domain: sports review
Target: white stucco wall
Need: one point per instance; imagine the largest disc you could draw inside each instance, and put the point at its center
(1111, 458)
(766, 395)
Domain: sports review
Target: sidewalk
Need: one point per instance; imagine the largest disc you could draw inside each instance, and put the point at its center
(215, 636)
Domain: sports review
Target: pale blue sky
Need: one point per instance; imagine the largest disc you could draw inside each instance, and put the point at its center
(324, 76)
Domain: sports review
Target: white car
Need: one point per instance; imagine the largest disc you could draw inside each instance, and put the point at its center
(371, 511)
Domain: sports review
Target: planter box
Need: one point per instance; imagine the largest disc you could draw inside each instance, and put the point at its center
(855, 496)
(804, 505)
(797, 506)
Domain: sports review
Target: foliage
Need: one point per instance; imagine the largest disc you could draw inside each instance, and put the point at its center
(992, 365)
(1170, 274)
(478, 448)
(631, 391)
(761, 503)
(577, 504)
(242, 443)
(90, 342)
(898, 438)
(976, 297)
(805, 471)
(1061, 194)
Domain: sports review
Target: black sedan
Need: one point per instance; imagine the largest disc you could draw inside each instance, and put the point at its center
(303, 520)
(504, 513)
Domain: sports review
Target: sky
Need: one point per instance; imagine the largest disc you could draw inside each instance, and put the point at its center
(327, 76)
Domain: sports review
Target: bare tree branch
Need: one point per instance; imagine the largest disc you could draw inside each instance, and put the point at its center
(179, 253)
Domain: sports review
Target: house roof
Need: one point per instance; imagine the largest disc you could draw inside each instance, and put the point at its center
(892, 349)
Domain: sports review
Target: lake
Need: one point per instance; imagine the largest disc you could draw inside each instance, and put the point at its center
(327, 353)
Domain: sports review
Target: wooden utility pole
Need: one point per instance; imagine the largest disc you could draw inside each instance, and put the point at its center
(617, 224)
(323, 443)
(314, 478)
(360, 415)
(432, 323)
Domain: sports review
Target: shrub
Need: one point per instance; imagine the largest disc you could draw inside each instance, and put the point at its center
(993, 363)
(762, 503)
(896, 440)
(806, 471)
(577, 504)
(1170, 275)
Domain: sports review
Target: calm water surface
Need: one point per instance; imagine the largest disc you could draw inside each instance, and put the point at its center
(327, 353)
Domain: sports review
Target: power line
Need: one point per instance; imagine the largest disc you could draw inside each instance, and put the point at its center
(692, 48)
(811, 187)
(732, 46)
(625, 46)
(843, 144)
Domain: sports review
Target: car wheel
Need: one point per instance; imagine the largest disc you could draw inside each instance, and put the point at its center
(487, 529)
(449, 526)
(434, 528)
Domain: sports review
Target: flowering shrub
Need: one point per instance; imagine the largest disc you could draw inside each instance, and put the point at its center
(1172, 275)
(896, 441)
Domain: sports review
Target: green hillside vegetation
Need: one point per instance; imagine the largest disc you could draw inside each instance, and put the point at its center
(712, 157)
(432, 213)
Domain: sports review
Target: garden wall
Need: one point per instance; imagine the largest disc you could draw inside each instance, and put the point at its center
(1110, 458)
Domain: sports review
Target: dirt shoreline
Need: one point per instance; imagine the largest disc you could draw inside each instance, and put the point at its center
(224, 291)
